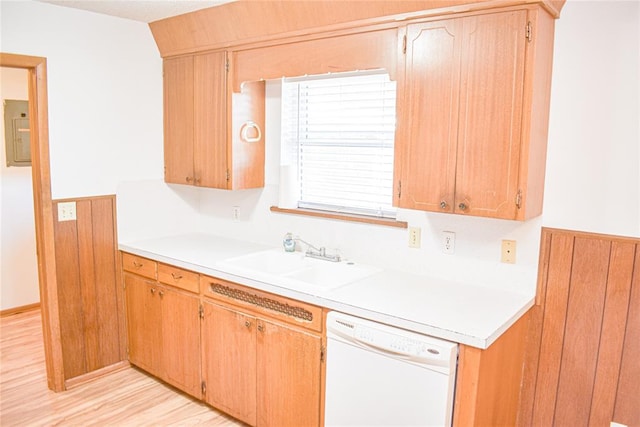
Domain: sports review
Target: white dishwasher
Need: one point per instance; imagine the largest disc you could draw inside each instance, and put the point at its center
(378, 375)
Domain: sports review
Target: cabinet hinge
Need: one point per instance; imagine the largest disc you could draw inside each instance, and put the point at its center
(228, 175)
(399, 189)
(203, 387)
(226, 65)
(201, 311)
(528, 32)
(323, 352)
(404, 44)
(519, 199)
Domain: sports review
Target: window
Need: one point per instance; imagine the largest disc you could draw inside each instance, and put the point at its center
(338, 133)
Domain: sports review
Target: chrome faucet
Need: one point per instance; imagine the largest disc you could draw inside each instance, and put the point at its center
(313, 252)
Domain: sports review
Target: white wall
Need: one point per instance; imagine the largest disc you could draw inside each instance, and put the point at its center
(105, 94)
(593, 181)
(105, 114)
(105, 109)
(592, 171)
(593, 166)
(18, 262)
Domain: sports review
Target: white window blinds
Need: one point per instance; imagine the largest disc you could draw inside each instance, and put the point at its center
(339, 132)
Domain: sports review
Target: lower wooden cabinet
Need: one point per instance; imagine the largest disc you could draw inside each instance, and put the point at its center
(144, 319)
(289, 376)
(254, 355)
(181, 341)
(229, 361)
(259, 356)
(164, 332)
(261, 372)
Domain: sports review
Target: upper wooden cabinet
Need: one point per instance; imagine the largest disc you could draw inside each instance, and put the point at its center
(205, 144)
(472, 125)
(473, 104)
(240, 22)
(359, 51)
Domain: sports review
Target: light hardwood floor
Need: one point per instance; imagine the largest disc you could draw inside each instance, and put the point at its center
(124, 398)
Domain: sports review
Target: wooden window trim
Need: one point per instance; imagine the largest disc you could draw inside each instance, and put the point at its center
(389, 222)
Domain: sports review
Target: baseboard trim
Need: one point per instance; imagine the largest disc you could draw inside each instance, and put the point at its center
(98, 373)
(21, 309)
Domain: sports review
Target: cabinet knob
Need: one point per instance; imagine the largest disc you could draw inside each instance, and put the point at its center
(176, 276)
(137, 264)
(443, 204)
(260, 328)
(247, 323)
(161, 293)
(462, 206)
(153, 291)
(189, 179)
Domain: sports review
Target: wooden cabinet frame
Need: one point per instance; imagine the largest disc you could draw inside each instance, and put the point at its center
(213, 137)
(472, 131)
(239, 349)
(163, 320)
(285, 367)
(253, 364)
(270, 22)
(484, 152)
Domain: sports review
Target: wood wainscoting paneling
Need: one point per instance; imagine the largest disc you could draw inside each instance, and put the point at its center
(89, 292)
(581, 362)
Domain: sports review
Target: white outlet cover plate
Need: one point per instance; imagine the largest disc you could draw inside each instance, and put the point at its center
(448, 242)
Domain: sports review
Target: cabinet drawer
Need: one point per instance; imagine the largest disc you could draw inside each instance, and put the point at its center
(138, 265)
(284, 309)
(174, 276)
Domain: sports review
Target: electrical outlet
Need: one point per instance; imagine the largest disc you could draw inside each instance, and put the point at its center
(235, 213)
(508, 252)
(66, 211)
(414, 237)
(448, 242)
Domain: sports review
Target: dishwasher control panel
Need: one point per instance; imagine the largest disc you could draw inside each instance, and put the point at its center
(408, 345)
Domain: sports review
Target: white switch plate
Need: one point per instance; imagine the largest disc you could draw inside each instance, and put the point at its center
(236, 213)
(67, 211)
(448, 242)
(414, 237)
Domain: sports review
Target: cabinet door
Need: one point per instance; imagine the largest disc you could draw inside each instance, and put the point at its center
(289, 372)
(248, 138)
(144, 319)
(178, 120)
(210, 125)
(491, 94)
(426, 150)
(181, 340)
(229, 361)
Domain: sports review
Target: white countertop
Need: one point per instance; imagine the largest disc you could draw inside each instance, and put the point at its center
(459, 312)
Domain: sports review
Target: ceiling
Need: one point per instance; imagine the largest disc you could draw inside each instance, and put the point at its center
(139, 10)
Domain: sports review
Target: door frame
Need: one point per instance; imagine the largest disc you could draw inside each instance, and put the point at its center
(43, 211)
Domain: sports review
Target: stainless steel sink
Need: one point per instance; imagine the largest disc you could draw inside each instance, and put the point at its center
(294, 270)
